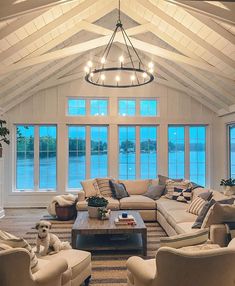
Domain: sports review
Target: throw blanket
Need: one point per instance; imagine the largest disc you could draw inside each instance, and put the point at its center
(63, 200)
(230, 226)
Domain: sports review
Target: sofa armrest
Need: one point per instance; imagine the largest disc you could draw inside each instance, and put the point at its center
(140, 269)
(51, 273)
(81, 196)
(218, 234)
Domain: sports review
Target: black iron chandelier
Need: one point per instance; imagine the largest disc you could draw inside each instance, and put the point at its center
(128, 73)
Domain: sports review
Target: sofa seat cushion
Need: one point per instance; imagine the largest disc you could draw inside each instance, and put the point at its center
(136, 187)
(177, 216)
(137, 202)
(184, 227)
(165, 205)
(113, 204)
(77, 260)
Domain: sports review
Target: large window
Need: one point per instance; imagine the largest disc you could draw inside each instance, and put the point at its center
(232, 150)
(190, 163)
(127, 154)
(25, 157)
(126, 107)
(88, 153)
(148, 152)
(148, 107)
(36, 170)
(77, 156)
(98, 107)
(197, 154)
(176, 150)
(99, 151)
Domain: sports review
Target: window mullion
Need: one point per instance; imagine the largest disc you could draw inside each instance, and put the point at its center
(88, 152)
(36, 158)
(137, 152)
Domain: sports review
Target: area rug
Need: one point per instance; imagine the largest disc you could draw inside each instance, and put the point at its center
(108, 268)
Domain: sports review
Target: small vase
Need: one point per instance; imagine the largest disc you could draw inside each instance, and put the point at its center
(93, 212)
(229, 190)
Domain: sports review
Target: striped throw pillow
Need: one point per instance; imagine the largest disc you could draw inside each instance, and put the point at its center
(171, 185)
(104, 187)
(182, 195)
(188, 239)
(18, 242)
(196, 206)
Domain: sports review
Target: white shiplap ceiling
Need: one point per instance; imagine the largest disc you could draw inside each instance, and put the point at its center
(46, 43)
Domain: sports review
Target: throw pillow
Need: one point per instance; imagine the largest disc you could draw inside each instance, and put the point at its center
(162, 179)
(154, 191)
(170, 185)
(182, 195)
(4, 246)
(188, 239)
(196, 206)
(90, 188)
(206, 196)
(104, 187)
(218, 214)
(18, 242)
(118, 190)
(206, 208)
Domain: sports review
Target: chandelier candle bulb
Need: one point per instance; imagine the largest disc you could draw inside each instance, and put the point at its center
(103, 60)
(151, 65)
(86, 69)
(89, 64)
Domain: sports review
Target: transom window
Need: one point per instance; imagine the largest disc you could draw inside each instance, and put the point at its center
(148, 107)
(126, 107)
(98, 107)
(36, 160)
(83, 107)
(76, 107)
(232, 150)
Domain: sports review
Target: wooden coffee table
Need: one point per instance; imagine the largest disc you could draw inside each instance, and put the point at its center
(93, 234)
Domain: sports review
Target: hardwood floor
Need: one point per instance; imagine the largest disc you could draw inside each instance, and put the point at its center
(19, 221)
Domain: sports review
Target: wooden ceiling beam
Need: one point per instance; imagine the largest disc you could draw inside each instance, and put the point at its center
(208, 9)
(11, 10)
(150, 7)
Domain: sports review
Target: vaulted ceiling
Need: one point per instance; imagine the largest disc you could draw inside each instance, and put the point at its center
(46, 43)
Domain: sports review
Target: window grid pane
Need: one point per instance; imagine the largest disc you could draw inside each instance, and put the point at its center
(232, 150)
(99, 151)
(47, 157)
(25, 157)
(127, 107)
(148, 107)
(197, 154)
(127, 156)
(176, 152)
(99, 107)
(148, 152)
(77, 107)
(77, 156)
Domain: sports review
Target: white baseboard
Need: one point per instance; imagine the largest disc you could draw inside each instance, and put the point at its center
(2, 213)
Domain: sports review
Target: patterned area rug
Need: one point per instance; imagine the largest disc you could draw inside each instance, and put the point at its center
(108, 268)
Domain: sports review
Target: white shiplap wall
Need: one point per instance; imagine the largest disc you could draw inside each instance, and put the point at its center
(49, 106)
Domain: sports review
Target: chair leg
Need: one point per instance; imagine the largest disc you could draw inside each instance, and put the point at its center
(87, 281)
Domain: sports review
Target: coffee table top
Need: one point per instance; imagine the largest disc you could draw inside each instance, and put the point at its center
(86, 225)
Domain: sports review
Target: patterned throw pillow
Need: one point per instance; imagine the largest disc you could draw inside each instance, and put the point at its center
(171, 185)
(196, 206)
(18, 242)
(104, 187)
(118, 190)
(182, 195)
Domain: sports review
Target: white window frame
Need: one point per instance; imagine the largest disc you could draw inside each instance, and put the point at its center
(229, 126)
(36, 188)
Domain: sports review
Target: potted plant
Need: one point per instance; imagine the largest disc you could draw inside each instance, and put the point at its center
(228, 185)
(4, 132)
(94, 203)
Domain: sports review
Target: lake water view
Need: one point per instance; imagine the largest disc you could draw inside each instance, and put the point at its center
(148, 168)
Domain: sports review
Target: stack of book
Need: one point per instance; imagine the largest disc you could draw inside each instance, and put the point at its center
(129, 220)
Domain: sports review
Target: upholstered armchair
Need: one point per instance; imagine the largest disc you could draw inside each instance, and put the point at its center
(177, 267)
(66, 268)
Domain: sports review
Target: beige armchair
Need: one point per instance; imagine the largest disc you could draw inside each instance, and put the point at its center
(53, 270)
(176, 267)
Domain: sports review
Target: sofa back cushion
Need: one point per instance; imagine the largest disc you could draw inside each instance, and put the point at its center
(90, 187)
(136, 187)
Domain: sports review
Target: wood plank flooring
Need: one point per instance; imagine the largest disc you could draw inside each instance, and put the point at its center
(19, 220)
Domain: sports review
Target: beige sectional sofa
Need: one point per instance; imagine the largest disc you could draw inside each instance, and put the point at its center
(170, 214)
